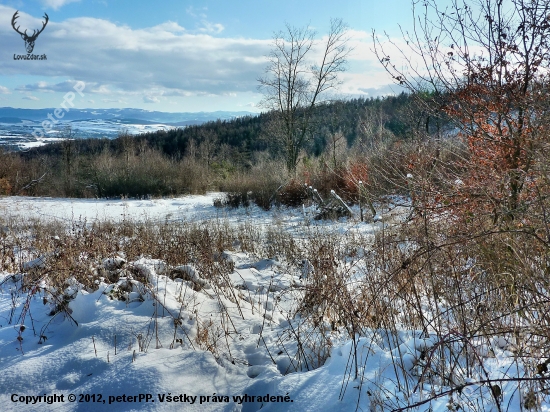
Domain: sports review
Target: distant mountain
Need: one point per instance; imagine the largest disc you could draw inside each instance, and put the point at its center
(22, 128)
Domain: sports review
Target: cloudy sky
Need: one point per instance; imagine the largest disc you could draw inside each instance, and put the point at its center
(176, 55)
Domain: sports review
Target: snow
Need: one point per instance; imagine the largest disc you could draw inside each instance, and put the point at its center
(189, 207)
(135, 345)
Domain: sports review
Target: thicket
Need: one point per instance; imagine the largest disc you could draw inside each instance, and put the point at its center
(476, 249)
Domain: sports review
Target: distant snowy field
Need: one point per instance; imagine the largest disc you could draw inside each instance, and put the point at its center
(172, 374)
(20, 135)
(189, 207)
(23, 128)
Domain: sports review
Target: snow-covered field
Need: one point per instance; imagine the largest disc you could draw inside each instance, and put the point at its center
(153, 336)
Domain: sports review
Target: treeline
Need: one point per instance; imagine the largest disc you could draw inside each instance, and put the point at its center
(398, 114)
(218, 155)
(246, 134)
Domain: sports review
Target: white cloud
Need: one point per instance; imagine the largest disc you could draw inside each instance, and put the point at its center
(177, 92)
(150, 99)
(4, 90)
(122, 64)
(45, 87)
(34, 98)
(169, 26)
(211, 27)
(204, 26)
(56, 4)
(111, 58)
(193, 12)
(387, 90)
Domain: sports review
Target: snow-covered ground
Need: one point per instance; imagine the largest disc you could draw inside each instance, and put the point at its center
(189, 207)
(179, 342)
(192, 208)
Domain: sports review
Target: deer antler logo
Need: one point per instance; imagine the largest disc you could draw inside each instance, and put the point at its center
(29, 40)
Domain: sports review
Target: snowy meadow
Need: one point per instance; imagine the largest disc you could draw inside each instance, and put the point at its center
(175, 304)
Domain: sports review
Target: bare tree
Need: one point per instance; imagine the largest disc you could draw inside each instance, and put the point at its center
(372, 131)
(208, 146)
(70, 158)
(293, 84)
(490, 59)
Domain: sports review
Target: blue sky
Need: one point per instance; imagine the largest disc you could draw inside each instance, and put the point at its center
(173, 55)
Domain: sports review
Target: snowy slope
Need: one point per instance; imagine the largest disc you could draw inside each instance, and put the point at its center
(180, 342)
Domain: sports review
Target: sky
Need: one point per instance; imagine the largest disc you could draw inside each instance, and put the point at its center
(177, 55)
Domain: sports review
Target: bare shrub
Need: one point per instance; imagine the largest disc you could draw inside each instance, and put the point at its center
(258, 185)
(293, 194)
